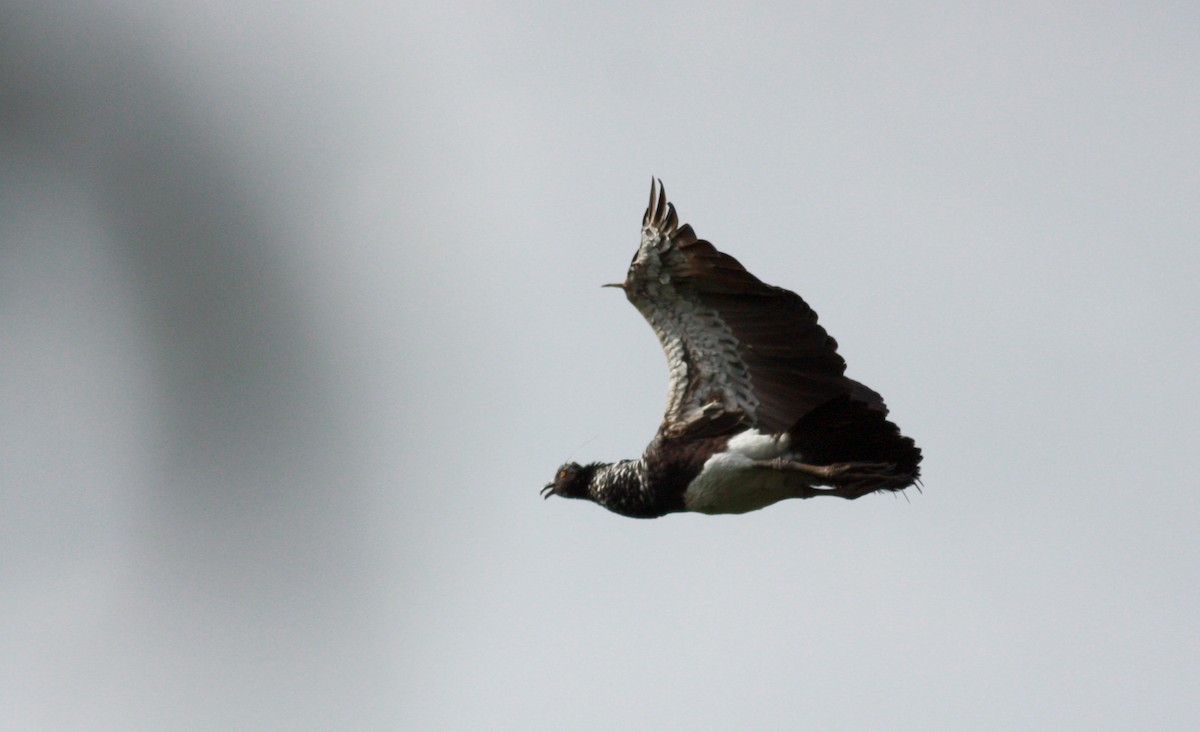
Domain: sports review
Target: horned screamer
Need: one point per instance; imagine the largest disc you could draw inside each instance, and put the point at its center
(758, 406)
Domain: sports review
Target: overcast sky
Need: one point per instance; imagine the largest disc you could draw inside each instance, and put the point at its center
(300, 307)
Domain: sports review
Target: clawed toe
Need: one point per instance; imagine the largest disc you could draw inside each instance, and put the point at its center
(854, 479)
(859, 470)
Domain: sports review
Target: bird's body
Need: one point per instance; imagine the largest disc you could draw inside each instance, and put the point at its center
(758, 406)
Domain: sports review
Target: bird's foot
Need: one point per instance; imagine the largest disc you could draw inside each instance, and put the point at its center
(847, 480)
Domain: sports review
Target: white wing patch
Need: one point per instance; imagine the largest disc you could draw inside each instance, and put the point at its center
(703, 364)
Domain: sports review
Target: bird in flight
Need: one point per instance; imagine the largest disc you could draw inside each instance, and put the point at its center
(758, 406)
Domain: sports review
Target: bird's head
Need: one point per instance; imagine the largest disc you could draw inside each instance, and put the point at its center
(571, 481)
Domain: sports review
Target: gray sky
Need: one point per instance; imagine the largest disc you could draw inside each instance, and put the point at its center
(299, 308)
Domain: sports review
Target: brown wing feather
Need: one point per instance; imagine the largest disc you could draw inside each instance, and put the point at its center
(734, 344)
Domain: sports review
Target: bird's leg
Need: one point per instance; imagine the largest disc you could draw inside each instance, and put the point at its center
(847, 480)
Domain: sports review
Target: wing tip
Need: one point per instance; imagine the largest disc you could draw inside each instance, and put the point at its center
(660, 212)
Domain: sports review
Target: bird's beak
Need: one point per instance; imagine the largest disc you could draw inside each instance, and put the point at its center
(548, 490)
(615, 284)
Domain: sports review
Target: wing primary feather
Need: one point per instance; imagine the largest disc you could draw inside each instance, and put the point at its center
(654, 183)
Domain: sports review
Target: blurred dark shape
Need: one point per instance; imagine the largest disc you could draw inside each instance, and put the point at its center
(242, 553)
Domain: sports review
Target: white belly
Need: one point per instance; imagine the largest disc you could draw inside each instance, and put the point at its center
(730, 483)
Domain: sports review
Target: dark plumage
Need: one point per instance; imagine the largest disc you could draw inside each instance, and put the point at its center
(759, 408)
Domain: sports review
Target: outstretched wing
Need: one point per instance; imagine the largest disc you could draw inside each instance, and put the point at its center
(741, 353)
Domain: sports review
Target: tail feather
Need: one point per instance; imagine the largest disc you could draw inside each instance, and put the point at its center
(844, 430)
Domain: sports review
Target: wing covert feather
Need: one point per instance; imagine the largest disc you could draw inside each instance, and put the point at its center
(734, 345)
